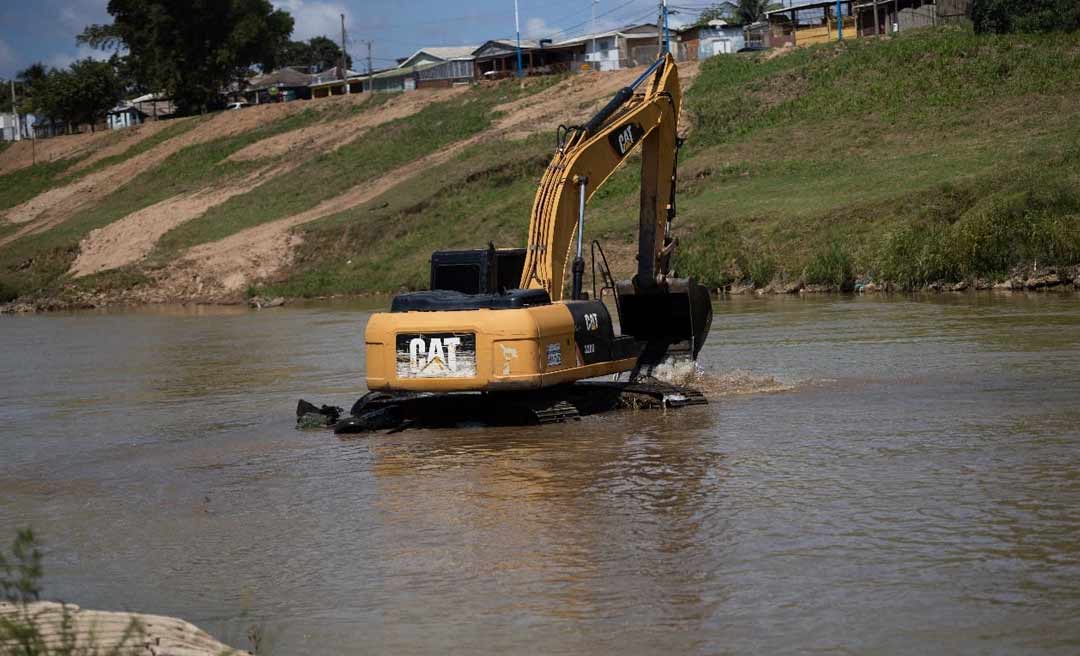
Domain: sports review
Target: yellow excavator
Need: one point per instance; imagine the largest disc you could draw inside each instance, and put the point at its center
(496, 321)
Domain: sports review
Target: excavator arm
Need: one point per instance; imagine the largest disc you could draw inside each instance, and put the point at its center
(643, 115)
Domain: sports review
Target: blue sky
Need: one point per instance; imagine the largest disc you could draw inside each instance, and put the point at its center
(44, 30)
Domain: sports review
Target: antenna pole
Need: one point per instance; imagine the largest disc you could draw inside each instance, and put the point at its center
(517, 29)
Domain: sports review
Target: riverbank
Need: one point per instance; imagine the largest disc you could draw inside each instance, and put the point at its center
(47, 627)
(1021, 281)
(915, 162)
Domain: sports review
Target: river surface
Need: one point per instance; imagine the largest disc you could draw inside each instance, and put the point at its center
(916, 490)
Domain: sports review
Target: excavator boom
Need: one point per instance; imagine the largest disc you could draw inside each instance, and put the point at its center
(644, 114)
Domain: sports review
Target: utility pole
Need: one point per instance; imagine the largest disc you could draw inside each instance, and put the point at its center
(15, 136)
(592, 31)
(663, 44)
(517, 29)
(839, 21)
(344, 56)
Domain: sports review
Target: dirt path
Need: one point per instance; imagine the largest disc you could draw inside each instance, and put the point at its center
(334, 134)
(56, 205)
(25, 153)
(130, 239)
(130, 137)
(219, 271)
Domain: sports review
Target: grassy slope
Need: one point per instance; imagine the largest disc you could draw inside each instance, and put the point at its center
(936, 155)
(365, 158)
(38, 263)
(939, 154)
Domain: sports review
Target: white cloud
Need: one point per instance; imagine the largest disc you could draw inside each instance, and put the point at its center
(315, 18)
(77, 14)
(537, 28)
(67, 57)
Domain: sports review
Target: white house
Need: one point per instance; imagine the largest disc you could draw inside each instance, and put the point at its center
(634, 45)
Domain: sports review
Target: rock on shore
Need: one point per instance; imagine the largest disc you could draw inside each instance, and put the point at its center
(151, 635)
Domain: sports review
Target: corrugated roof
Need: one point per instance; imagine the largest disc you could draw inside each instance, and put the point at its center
(622, 32)
(283, 77)
(511, 43)
(448, 52)
(399, 72)
(810, 4)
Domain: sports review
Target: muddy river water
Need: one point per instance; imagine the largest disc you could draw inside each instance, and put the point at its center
(917, 489)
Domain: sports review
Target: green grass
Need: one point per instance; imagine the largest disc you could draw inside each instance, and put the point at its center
(23, 184)
(482, 195)
(824, 164)
(175, 128)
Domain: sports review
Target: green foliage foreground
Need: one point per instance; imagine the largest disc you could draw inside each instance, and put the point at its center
(23, 633)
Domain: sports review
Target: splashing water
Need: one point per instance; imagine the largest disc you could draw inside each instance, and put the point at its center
(690, 373)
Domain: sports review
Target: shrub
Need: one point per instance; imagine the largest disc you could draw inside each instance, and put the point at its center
(24, 632)
(1002, 16)
(832, 267)
(916, 255)
(7, 293)
(761, 269)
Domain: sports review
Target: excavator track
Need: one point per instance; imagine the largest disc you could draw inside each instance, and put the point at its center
(380, 411)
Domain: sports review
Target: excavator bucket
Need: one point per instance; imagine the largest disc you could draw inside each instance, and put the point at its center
(671, 319)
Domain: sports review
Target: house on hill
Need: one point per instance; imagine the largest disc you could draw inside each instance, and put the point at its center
(626, 47)
(279, 86)
(498, 58)
(808, 23)
(718, 37)
(147, 107)
(442, 66)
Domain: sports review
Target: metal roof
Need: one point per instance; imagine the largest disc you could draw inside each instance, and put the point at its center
(446, 53)
(283, 77)
(813, 4)
(623, 31)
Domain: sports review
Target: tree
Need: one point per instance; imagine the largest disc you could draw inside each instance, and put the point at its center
(193, 50)
(26, 81)
(748, 11)
(751, 11)
(1003, 16)
(319, 53)
(713, 12)
(81, 94)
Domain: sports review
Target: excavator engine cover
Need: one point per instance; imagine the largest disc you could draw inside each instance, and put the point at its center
(673, 316)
